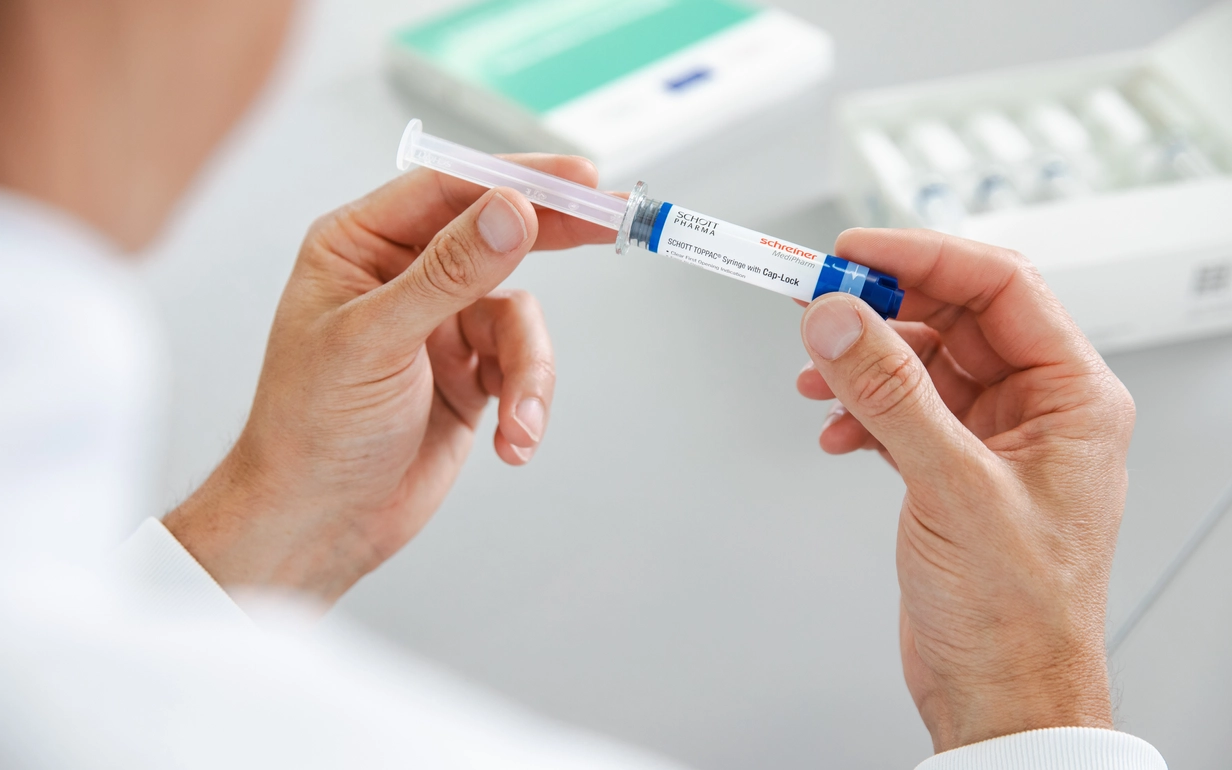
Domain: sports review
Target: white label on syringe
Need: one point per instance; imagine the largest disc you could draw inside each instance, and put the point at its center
(736, 251)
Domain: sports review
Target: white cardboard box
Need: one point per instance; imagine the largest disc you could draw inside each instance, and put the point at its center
(1136, 266)
(701, 115)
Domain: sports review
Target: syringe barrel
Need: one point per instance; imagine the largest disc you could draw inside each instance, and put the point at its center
(753, 257)
(664, 228)
(487, 170)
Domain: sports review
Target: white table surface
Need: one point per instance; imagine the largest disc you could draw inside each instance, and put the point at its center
(680, 566)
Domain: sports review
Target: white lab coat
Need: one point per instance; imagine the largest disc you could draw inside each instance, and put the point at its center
(138, 659)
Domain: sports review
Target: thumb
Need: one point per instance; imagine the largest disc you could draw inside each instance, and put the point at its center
(464, 262)
(879, 379)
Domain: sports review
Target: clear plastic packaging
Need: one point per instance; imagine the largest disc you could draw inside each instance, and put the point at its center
(930, 196)
(1126, 138)
(1038, 173)
(1148, 133)
(1182, 132)
(983, 187)
(1059, 131)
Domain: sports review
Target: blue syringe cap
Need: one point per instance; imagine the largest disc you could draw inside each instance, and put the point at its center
(879, 290)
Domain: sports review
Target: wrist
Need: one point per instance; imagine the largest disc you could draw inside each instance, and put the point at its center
(248, 533)
(1075, 695)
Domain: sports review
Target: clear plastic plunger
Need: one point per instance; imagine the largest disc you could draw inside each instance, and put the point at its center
(552, 192)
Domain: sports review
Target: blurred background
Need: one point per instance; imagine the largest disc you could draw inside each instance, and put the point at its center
(681, 567)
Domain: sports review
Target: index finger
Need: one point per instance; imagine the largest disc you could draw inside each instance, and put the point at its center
(1020, 317)
(508, 327)
(411, 209)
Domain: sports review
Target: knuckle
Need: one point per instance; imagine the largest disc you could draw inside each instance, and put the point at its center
(1021, 271)
(450, 265)
(341, 233)
(1026, 271)
(516, 307)
(1119, 404)
(1016, 260)
(336, 335)
(322, 224)
(522, 299)
(1031, 274)
(525, 305)
(930, 344)
(1128, 407)
(1107, 408)
(1016, 257)
(321, 234)
(542, 370)
(889, 382)
(334, 225)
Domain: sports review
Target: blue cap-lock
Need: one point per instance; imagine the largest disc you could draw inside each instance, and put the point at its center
(879, 290)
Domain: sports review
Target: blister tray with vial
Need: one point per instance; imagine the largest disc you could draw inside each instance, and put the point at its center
(939, 169)
(1112, 171)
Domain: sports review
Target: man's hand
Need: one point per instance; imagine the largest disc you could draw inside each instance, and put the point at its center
(386, 346)
(1011, 435)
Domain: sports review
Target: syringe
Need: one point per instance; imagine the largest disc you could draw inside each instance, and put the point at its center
(664, 228)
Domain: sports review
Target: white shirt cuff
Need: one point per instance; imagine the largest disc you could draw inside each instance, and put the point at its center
(167, 580)
(1057, 748)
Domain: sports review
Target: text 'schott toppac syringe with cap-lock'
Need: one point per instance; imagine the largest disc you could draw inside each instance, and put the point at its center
(664, 228)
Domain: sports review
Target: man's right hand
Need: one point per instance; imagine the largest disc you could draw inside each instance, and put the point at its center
(1011, 435)
(387, 346)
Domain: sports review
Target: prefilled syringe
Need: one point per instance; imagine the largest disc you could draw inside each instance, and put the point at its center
(664, 228)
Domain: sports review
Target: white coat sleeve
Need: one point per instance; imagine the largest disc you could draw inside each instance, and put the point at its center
(1058, 748)
(168, 580)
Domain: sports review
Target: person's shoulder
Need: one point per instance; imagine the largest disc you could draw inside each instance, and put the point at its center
(68, 307)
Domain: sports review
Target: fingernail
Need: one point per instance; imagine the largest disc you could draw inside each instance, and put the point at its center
(501, 225)
(831, 326)
(523, 453)
(530, 414)
(836, 413)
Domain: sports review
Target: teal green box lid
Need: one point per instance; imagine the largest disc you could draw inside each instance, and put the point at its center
(541, 54)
